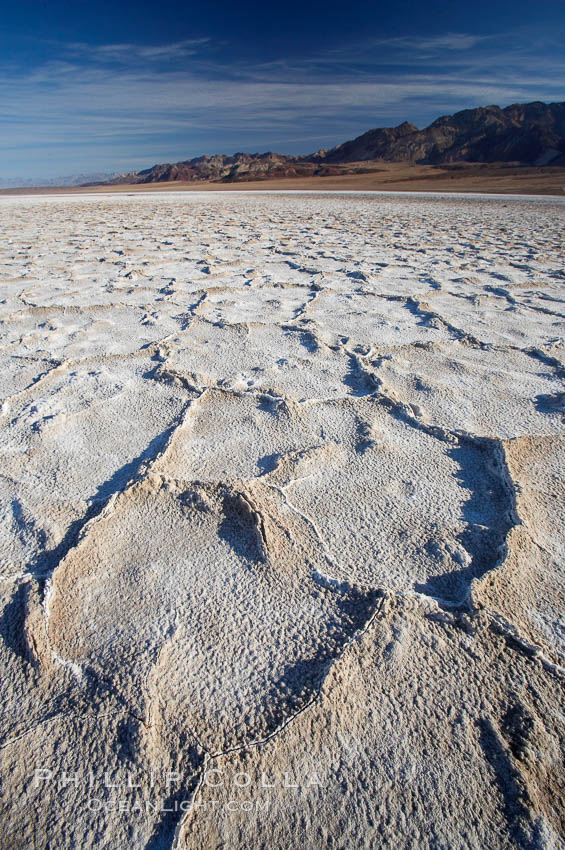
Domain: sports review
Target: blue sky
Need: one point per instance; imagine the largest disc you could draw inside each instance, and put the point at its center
(109, 86)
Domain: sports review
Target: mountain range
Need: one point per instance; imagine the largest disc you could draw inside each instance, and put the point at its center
(524, 134)
(68, 180)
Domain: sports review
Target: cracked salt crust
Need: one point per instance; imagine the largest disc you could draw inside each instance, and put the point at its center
(281, 490)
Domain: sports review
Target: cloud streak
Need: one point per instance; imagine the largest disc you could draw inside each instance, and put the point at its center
(128, 54)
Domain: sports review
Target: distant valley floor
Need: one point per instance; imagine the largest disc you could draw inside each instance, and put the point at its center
(378, 176)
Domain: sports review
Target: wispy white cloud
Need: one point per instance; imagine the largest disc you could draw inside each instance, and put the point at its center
(447, 41)
(131, 53)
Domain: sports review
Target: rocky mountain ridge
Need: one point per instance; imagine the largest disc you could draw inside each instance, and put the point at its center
(525, 134)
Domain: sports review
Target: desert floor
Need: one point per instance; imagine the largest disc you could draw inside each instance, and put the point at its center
(282, 539)
(490, 178)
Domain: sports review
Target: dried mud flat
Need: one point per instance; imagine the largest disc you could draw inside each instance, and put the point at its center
(281, 518)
